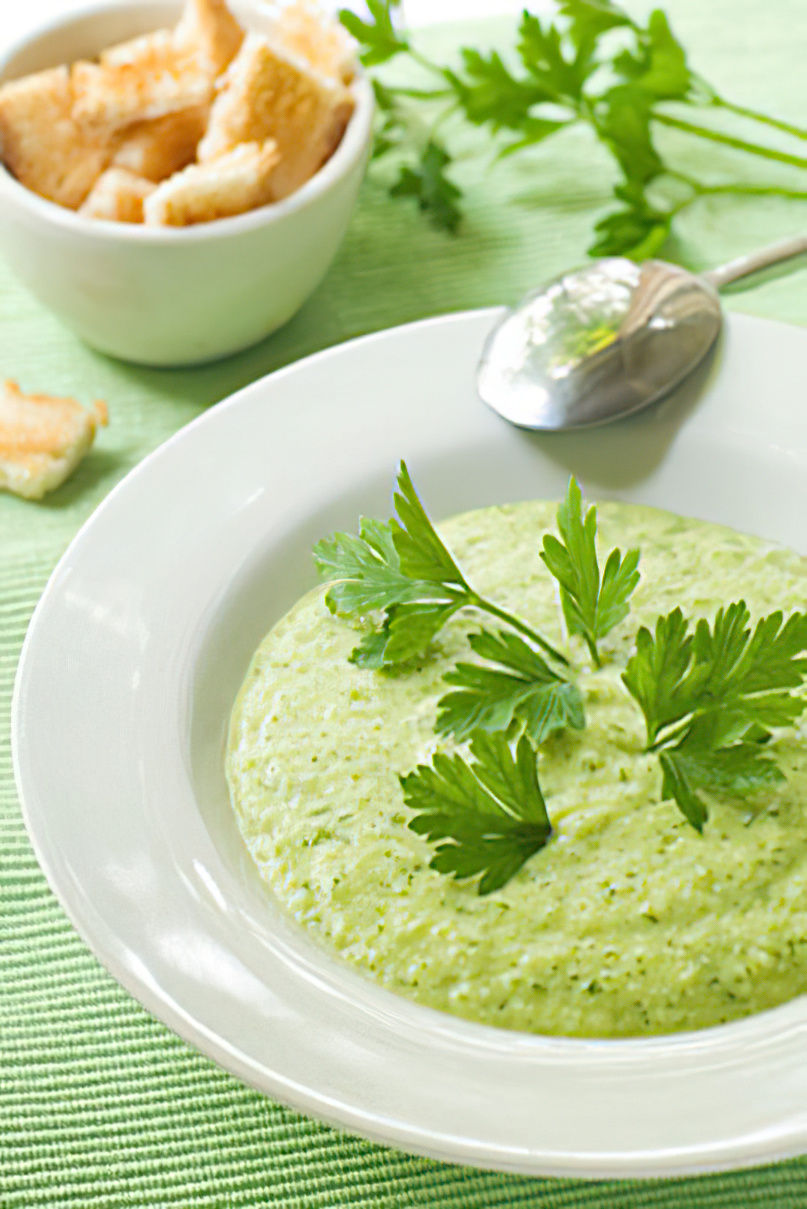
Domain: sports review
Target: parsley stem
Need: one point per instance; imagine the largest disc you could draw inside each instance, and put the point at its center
(743, 111)
(487, 606)
(426, 63)
(421, 94)
(592, 646)
(728, 140)
(752, 191)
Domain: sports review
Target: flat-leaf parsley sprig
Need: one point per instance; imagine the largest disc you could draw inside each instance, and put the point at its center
(592, 603)
(591, 65)
(403, 570)
(711, 695)
(486, 817)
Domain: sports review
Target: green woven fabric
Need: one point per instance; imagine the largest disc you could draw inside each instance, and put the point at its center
(100, 1105)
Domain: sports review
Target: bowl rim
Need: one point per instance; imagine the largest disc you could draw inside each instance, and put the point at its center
(354, 144)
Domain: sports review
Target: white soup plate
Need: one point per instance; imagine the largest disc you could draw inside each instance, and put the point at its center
(136, 652)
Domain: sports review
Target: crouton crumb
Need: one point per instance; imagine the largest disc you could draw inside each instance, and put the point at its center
(43, 439)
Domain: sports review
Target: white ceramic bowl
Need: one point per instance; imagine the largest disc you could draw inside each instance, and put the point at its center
(173, 296)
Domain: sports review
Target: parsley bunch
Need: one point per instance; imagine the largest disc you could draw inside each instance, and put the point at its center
(592, 65)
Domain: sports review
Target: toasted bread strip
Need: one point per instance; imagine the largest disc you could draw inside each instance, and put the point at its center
(41, 143)
(42, 439)
(209, 28)
(117, 196)
(306, 31)
(160, 79)
(158, 149)
(267, 95)
(239, 180)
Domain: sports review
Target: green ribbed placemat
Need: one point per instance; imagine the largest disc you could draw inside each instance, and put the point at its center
(101, 1106)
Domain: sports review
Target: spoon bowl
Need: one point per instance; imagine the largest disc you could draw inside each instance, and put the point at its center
(605, 340)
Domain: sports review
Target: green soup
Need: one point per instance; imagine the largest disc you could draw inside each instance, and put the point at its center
(628, 922)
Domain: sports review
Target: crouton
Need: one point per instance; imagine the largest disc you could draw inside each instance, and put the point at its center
(41, 144)
(42, 439)
(117, 196)
(306, 31)
(159, 79)
(158, 43)
(209, 29)
(267, 95)
(158, 149)
(239, 180)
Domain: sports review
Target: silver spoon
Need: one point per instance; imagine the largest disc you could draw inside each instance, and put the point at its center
(600, 342)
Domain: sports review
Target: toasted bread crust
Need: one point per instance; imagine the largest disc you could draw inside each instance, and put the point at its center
(42, 145)
(211, 30)
(237, 181)
(268, 95)
(158, 149)
(42, 439)
(305, 31)
(117, 196)
(159, 79)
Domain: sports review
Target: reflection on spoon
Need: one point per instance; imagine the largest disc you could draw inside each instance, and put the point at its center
(603, 341)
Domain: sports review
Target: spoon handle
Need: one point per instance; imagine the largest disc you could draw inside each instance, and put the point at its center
(752, 263)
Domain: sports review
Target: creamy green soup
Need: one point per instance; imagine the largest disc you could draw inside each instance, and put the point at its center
(628, 922)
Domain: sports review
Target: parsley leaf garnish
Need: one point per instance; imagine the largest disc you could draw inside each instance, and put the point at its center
(487, 817)
(523, 688)
(711, 695)
(592, 603)
(734, 771)
(403, 569)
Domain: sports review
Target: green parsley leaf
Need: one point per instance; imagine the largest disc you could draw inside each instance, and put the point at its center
(623, 120)
(403, 569)
(590, 19)
(365, 571)
(709, 695)
(734, 771)
(658, 68)
(487, 817)
(719, 680)
(541, 51)
(422, 553)
(490, 94)
(491, 699)
(377, 37)
(592, 605)
(406, 632)
(659, 674)
(637, 230)
(435, 194)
